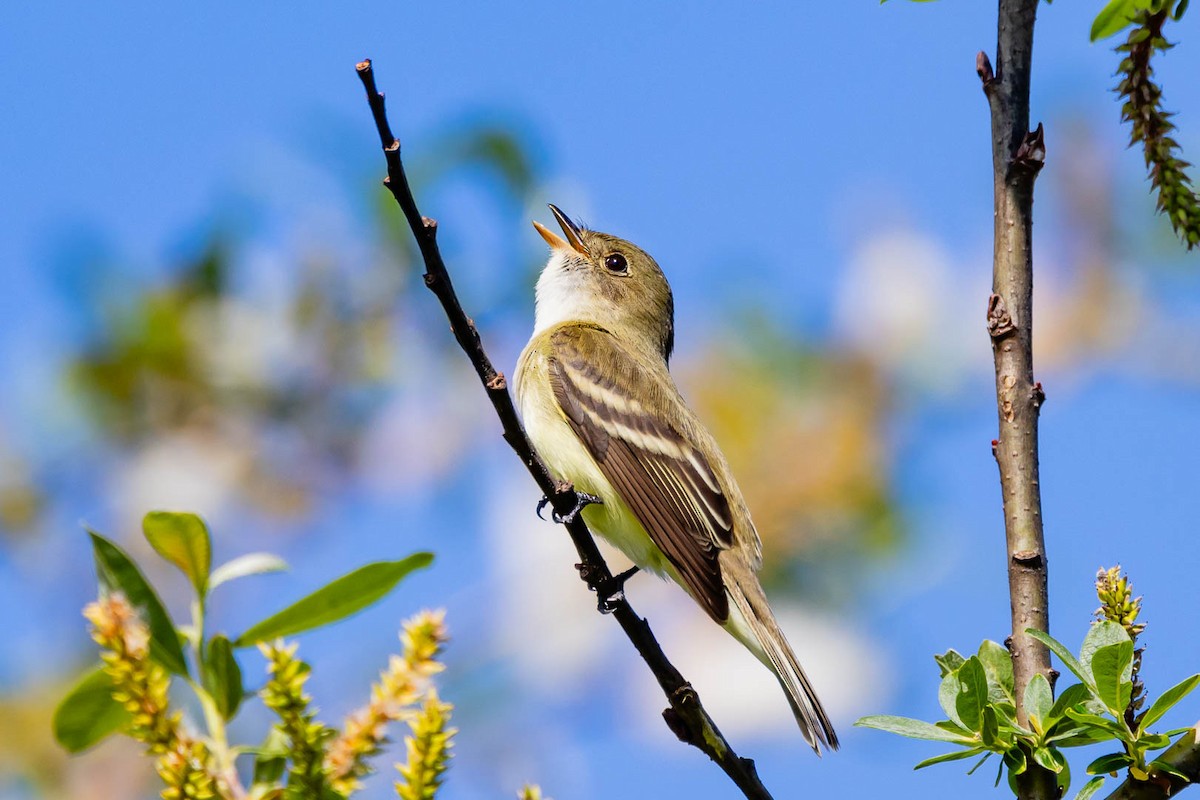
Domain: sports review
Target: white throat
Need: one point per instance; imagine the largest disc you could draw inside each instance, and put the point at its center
(562, 295)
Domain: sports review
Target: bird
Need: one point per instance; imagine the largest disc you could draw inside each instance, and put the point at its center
(601, 409)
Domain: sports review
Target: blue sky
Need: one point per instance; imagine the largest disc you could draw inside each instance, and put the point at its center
(754, 150)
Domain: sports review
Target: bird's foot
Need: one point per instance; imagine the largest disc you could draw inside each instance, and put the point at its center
(609, 591)
(582, 501)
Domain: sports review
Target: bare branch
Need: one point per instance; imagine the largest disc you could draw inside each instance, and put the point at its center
(1017, 156)
(686, 716)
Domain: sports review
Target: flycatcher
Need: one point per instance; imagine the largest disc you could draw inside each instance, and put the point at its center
(602, 410)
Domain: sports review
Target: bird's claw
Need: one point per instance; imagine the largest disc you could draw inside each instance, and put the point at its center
(582, 501)
(612, 591)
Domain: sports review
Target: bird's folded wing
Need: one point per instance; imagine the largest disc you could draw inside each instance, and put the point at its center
(619, 412)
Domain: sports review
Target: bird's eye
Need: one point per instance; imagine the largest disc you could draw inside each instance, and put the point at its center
(616, 263)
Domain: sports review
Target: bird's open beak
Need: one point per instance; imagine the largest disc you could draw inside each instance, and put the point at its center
(573, 241)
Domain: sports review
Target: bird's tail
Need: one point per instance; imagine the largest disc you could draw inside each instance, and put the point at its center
(751, 621)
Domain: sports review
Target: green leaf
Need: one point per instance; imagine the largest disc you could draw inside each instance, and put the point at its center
(1154, 741)
(1039, 700)
(118, 573)
(1074, 695)
(1050, 758)
(1167, 700)
(912, 728)
(223, 676)
(972, 694)
(182, 539)
(949, 661)
(957, 755)
(1078, 735)
(1006, 713)
(1090, 788)
(347, 595)
(88, 713)
(990, 730)
(1113, 18)
(249, 564)
(1112, 670)
(948, 695)
(1015, 760)
(953, 727)
(1169, 769)
(1064, 655)
(1115, 729)
(980, 762)
(1102, 634)
(271, 758)
(1109, 763)
(997, 663)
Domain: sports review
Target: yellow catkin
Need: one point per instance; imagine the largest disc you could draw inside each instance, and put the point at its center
(428, 750)
(141, 685)
(393, 696)
(284, 694)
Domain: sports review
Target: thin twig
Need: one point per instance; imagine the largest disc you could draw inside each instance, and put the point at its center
(686, 716)
(1017, 156)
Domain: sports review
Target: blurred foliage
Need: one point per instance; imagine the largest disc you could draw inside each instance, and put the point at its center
(21, 499)
(804, 429)
(283, 389)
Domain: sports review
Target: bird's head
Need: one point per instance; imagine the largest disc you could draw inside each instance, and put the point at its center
(597, 278)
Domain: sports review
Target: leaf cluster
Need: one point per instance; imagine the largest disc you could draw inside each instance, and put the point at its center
(207, 663)
(977, 695)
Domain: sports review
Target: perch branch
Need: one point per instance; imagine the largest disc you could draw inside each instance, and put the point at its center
(1017, 156)
(686, 716)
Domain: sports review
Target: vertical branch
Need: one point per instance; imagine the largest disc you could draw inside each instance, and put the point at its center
(1017, 156)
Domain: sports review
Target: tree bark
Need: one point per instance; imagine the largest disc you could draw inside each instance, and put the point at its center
(1017, 156)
